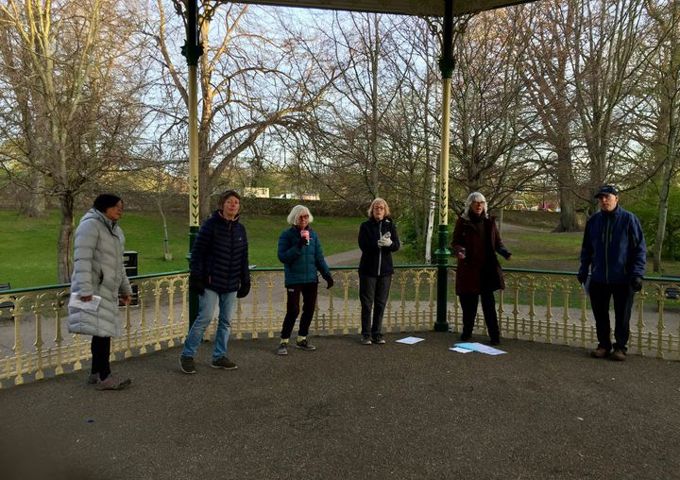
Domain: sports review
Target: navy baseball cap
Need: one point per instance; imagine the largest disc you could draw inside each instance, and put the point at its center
(607, 189)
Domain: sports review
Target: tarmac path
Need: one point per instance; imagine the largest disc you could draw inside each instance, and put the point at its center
(349, 411)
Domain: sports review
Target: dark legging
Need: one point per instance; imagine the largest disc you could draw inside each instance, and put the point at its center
(101, 351)
(469, 304)
(308, 291)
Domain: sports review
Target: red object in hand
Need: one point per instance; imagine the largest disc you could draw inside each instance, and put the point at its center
(461, 254)
(305, 234)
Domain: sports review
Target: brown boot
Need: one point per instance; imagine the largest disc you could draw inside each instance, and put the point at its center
(600, 352)
(619, 355)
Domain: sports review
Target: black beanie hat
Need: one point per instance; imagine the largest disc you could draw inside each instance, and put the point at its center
(106, 201)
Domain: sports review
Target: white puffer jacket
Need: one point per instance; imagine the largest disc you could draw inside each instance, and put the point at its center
(98, 270)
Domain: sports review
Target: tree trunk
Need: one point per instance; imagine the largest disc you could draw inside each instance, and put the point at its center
(662, 217)
(64, 263)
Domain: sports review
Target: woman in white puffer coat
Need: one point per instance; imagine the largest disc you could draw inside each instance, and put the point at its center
(98, 269)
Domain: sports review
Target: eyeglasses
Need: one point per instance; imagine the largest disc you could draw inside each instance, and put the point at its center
(304, 216)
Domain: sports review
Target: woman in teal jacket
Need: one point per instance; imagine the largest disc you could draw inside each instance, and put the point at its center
(302, 256)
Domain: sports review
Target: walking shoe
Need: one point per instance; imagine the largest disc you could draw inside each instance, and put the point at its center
(186, 364)
(464, 337)
(304, 345)
(600, 352)
(618, 355)
(224, 363)
(113, 383)
(379, 340)
(93, 379)
(495, 341)
(365, 340)
(283, 349)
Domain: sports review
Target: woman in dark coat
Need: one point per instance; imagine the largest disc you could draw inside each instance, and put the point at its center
(476, 241)
(377, 239)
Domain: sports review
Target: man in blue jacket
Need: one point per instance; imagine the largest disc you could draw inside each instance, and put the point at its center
(615, 254)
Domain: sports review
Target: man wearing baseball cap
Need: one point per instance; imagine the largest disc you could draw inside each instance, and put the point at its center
(615, 254)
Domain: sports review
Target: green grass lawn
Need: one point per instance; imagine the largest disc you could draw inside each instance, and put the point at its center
(29, 246)
(28, 255)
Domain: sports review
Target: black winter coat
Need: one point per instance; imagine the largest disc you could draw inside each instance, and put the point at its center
(377, 261)
(220, 254)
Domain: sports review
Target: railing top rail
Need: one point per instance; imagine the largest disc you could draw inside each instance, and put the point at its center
(15, 291)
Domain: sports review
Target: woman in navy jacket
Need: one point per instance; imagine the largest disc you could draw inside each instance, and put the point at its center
(302, 256)
(377, 239)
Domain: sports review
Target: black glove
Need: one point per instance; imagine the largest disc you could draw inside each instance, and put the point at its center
(196, 284)
(636, 283)
(582, 277)
(243, 290)
(329, 281)
(303, 242)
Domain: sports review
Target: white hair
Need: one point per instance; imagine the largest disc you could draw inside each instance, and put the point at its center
(294, 215)
(474, 197)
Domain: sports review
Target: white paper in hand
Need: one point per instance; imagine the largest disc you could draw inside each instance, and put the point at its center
(91, 306)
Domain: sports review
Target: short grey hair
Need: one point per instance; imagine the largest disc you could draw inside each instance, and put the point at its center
(294, 215)
(475, 197)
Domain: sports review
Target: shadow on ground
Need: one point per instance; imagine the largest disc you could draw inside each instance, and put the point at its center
(351, 411)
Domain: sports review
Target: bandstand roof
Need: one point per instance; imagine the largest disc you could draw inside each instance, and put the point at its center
(402, 7)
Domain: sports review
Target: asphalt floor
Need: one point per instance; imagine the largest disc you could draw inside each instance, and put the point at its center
(350, 411)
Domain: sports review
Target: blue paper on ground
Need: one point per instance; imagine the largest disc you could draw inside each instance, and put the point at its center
(480, 347)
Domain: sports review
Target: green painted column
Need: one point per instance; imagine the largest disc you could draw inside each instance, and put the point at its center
(192, 50)
(446, 65)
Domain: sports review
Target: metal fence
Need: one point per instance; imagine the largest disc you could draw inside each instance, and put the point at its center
(541, 306)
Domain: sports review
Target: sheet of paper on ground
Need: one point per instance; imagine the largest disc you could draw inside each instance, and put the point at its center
(409, 340)
(479, 347)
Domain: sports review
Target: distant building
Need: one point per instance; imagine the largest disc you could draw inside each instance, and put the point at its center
(256, 192)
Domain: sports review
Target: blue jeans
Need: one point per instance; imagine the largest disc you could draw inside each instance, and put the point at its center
(206, 306)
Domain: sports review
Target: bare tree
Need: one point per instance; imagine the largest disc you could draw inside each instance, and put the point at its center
(661, 104)
(251, 80)
(490, 145)
(548, 90)
(69, 70)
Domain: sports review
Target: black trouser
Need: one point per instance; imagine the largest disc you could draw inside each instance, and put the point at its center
(600, 294)
(308, 291)
(373, 292)
(101, 351)
(469, 304)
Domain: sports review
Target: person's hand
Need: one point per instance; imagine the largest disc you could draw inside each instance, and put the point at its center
(196, 284)
(329, 281)
(460, 253)
(243, 290)
(385, 241)
(126, 299)
(582, 277)
(636, 283)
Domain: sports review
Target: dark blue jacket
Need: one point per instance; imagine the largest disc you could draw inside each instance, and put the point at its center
(613, 247)
(300, 263)
(220, 254)
(377, 261)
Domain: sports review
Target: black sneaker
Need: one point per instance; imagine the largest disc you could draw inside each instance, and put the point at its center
(304, 345)
(465, 337)
(224, 363)
(186, 364)
(379, 340)
(366, 340)
(282, 349)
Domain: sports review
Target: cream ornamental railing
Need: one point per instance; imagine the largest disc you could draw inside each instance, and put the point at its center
(536, 305)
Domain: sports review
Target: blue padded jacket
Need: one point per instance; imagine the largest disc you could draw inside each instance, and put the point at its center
(300, 264)
(220, 254)
(613, 247)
